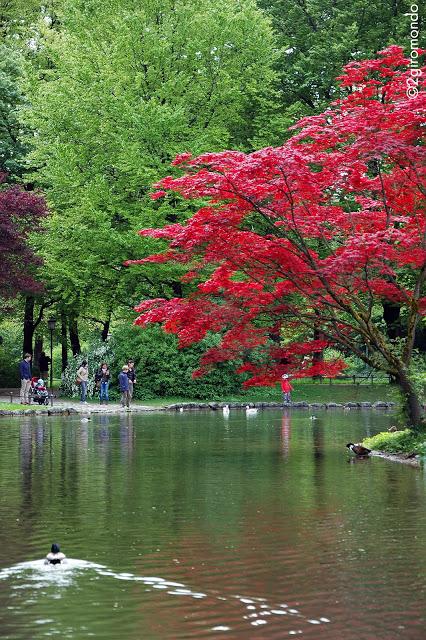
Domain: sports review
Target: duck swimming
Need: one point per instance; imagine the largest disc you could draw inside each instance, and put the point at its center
(358, 449)
(251, 411)
(55, 556)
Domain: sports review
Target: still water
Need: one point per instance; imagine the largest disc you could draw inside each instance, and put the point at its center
(194, 525)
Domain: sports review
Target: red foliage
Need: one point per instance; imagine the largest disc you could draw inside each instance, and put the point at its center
(309, 235)
(20, 215)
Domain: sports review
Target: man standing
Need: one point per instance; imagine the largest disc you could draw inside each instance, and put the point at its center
(43, 365)
(123, 381)
(131, 374)
(25, 375)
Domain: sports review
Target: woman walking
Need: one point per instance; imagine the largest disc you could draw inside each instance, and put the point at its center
(82, 378)
(103, 376)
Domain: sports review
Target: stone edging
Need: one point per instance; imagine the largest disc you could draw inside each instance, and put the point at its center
(404, 458)
(213, 406)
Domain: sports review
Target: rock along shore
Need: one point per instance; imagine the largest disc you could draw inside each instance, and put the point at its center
(65, 410)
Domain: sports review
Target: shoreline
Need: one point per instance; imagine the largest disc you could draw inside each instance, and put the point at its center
(403, 458)
(75, 409)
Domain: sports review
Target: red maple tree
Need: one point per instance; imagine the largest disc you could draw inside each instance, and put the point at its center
(310, 237)
(20, 215)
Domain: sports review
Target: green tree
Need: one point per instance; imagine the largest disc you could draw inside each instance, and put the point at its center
(117, 90)
(318, 37)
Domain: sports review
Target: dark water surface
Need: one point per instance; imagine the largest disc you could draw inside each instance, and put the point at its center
(197, 526)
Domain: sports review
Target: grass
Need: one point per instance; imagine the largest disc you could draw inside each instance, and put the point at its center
(303, 392)
(13, 406)
(406, 441)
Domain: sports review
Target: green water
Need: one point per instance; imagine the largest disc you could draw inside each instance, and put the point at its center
(193, 525)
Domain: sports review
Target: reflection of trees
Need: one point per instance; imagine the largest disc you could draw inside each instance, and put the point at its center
(220, 500)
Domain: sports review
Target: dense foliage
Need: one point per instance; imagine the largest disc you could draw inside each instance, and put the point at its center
(20, 215)
(314, 234)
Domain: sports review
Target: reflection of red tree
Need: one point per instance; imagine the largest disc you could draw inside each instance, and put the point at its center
(285, 433)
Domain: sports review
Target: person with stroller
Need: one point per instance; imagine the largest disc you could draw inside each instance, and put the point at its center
(102, 377)
(25, 375)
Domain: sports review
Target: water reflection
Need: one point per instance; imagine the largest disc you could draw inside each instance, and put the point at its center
(206, 525)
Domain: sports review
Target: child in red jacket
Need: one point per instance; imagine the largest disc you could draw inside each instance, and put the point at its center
(286, 388)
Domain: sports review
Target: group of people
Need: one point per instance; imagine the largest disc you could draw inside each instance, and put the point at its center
(126, 381)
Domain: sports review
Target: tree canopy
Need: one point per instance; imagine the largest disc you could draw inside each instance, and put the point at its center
(315, 233)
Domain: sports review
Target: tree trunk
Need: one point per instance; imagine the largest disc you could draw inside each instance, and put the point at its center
(64, 342)
(29, 328)
(413, 407)
(105, 330)
(74, 339)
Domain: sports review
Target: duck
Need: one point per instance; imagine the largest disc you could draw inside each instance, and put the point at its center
(226, 410)
(181, 409)
(358, 449)
(313, 418)
(55, 556)
(85, 420)
(251, 411)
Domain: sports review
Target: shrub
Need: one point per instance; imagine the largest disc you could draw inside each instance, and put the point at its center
(406, 441)
(164, 370)
(96, 352)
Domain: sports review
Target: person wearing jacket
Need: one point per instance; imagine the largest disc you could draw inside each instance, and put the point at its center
(102, 379)
(123, 382)
(82, 379)
(286, 388)
(25, 375)
(131, 374)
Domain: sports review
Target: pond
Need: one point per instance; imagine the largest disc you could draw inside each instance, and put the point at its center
(194, 525)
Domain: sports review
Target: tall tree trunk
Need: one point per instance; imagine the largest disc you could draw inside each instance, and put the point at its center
(105, 330)
(74, 339)
(64, 342)
(29, 328)
(413, 407)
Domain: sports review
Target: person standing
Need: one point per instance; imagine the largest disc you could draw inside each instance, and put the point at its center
(25, 375)
(103, 376)
(43, 365)
(286, 388)
(123, 381)
(82, 378)
(131, 374)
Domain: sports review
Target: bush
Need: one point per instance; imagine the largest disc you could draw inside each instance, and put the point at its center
(96, 353)
(163, 370)
(406, 441)
(10, 355)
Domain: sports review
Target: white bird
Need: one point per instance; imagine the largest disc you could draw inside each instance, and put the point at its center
(251, 411)
(226, 410)
(181, 409)
(313, 418)
(85, 420)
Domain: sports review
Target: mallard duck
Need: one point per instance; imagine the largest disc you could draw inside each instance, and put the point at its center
(55, 556)
(358, 449)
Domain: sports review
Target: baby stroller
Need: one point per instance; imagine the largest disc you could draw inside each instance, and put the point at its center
(38, 391)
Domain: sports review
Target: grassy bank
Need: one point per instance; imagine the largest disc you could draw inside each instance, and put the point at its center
(303, 391)
(13, 406)
(306, 392)
(406, 441)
